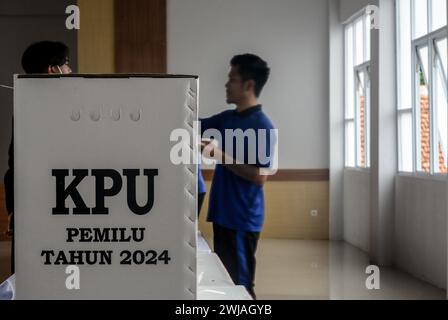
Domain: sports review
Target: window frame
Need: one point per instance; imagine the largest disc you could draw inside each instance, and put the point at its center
(428, 40)
(364, 66)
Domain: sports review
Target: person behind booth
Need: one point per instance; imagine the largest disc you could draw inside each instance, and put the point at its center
(236, 205)
(41, 57)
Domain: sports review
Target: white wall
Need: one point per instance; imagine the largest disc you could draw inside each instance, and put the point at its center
(420, 228)
(291, 35)
(383, 128)
(356, 208)
(336, 118)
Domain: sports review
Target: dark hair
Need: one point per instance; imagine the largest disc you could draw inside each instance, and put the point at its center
(252, 67)
(41, 55)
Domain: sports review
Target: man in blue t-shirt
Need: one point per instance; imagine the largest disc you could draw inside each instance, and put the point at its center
(236, 205)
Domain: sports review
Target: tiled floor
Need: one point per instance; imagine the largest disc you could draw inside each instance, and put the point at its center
(299, 269)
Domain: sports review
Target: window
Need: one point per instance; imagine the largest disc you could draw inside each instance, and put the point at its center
(422, 86)
(357, 92)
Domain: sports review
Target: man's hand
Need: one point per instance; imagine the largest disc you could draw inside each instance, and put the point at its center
(210, 150)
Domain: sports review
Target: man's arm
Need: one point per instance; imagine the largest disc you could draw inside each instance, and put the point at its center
(248, 172)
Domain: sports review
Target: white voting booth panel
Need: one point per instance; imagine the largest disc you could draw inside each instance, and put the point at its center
(96, 189)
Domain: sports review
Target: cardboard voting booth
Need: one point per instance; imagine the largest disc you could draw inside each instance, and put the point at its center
(101, 210)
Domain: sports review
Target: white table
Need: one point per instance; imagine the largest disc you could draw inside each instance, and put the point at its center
(211, 271)
(214, 282)
(223, 293)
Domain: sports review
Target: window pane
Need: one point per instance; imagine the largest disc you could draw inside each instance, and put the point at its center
(405, 142)
(442, 50)
(420, 18)
(349, 143)
(404, 56)
(423, 55)
(423, 125)
(349, 83)
(440, 104)
(361, 132)
(438, 14)
(423, 113)
(367, 39)
(359, 44)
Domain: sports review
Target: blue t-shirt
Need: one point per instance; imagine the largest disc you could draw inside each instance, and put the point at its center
(237, 203)
(201, 183)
